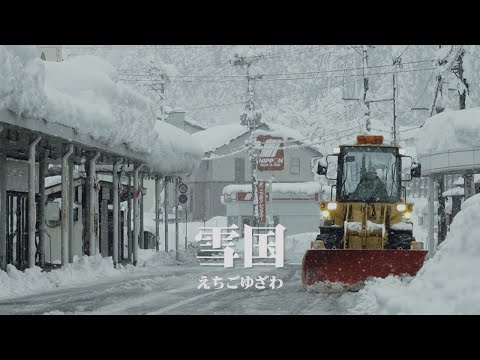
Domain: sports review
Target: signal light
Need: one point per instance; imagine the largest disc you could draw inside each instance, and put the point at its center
(370, 139)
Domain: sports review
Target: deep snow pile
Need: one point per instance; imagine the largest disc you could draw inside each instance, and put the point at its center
(449, 130)
(448, 283)
(83, 93)
(83, 271)
(14, 282)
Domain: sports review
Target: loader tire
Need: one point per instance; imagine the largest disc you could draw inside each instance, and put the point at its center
(400, 241)
(330, 240)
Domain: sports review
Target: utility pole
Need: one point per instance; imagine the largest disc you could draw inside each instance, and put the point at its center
(165, 211)
(366, 104)
(163, 82)
(164, 79)
(463, 88)
(365, 101)
(438, 85)
(397, 63)
(251, 119)
(175, 192)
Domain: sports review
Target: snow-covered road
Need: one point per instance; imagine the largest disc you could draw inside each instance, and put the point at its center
(174, 290)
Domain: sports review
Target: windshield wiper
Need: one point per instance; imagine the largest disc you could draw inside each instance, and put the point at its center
(371, 198)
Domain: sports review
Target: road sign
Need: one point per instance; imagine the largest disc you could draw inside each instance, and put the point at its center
(182, 199)
(271, 154)
(182, 188)
(261, 202)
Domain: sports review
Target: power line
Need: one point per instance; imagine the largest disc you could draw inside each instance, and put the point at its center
(285, 79)
(425, 89)
(262, 98)
(243, 147)
(403, 52)
(282, 74)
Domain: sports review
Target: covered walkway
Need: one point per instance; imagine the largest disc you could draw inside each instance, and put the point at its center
(50, 117)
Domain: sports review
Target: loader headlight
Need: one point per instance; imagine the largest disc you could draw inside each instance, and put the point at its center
(401, 207)
(326, 214)
(407, 215)
(332, 206)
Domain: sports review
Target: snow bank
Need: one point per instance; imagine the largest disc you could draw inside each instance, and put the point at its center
(448, 283)
(151, 259)
(296, 246)
(82, 93)
(14, 282)
(449, 130)
(84, 270)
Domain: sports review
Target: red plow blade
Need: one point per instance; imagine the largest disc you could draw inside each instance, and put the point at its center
(352, 267)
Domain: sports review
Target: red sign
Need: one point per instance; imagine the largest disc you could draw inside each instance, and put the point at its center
(272, 154)
(261, 194)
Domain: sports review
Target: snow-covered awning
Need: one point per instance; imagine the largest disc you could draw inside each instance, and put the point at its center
(456, 191)
(449, 130)
(282, 190)
(215, 137)
(83, 94)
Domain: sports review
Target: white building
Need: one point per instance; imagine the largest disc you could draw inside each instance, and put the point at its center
(296, 206)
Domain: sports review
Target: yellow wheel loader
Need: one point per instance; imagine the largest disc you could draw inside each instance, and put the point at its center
(367, 230)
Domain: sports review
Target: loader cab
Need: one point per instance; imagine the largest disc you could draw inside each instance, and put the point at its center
(368, 171)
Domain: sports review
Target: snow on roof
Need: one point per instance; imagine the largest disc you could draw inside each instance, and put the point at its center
(449, 130)
(456, 191)
(174, 150)
(192, 122)
(53, 180)
(461, 182)
(282, 131)
(57, 179)
(218, 136)
(288, 133)
(448, 283)
(82, 93)
(308, 188)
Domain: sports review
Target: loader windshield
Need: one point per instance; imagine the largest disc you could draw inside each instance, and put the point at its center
(369, 174)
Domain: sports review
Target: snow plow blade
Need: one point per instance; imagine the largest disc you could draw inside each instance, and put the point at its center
(348, 269)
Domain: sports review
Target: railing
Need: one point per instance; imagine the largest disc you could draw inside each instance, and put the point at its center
(449, 161)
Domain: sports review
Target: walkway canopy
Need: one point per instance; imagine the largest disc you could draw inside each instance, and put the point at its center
(76, 112)
(81, 102)
(448, 143)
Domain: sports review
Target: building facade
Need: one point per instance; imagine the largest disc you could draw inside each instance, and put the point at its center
(213, 175)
